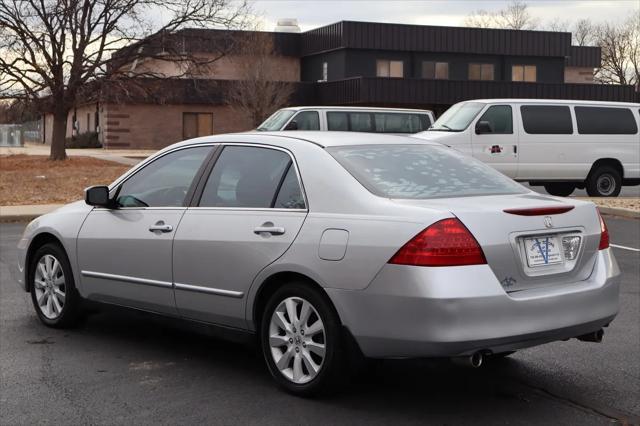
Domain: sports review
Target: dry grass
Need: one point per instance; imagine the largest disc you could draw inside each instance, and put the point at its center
(29, 179)
(625, 203)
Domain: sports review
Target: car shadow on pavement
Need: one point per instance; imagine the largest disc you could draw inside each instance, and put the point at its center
(188, 358)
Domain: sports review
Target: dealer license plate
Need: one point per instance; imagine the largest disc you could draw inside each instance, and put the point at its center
(543, 250)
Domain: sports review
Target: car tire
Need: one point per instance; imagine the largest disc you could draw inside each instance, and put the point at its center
(303, 364)
(53, 291)
(560, 189)
(605, 181)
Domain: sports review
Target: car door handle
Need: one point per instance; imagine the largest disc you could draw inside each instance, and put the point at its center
(269, 229)
(160, 226)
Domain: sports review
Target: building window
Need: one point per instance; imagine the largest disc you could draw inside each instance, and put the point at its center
(437, 70)
(481, 72)
(386, 68)
(523, 73)
(325, 71)
(196, 124)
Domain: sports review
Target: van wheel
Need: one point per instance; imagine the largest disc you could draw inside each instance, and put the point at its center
(560, 189)
(605, 181)
(301, 340)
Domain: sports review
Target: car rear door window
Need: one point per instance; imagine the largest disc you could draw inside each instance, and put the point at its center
(165, 182)
(246, 177)
(290, 193)
(605, 121)
(500, 119)
(546, 119)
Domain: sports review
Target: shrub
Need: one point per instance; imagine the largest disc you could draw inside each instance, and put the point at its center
(84, 140)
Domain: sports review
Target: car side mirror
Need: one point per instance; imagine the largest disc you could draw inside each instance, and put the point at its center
(293, 125)
(97, 196)
(483, 127)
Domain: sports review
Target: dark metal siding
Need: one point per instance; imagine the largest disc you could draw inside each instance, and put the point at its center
(366, 35)
(447, 92)
(584, 56)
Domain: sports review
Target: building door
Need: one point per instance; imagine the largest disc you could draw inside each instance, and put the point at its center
(196, 124)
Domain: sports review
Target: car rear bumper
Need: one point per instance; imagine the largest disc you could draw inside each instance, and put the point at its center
(409, 312)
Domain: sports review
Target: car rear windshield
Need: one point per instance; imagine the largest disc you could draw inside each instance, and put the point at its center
(421, 172)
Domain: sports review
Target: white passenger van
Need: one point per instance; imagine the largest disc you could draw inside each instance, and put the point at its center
(562, 145)
(354, 119)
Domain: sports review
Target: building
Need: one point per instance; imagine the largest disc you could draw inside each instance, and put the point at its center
(348, 63)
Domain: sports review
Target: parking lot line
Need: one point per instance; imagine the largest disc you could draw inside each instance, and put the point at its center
(624, 247)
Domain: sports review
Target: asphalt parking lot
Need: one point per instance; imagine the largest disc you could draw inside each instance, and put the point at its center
(126, 367)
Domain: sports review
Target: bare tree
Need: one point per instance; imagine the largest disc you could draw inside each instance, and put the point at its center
(51, 49)
(259, 90)
(515, 16)
(584, 33)
(620, 52)
(480, 19)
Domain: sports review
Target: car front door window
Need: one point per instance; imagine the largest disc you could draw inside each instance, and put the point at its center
(165, 182)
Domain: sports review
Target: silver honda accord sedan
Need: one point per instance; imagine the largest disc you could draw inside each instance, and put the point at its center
(324, 244)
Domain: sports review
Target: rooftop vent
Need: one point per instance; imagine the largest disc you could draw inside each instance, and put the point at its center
(287, 25)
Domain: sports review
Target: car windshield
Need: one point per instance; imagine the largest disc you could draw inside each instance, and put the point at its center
(458, 117)
(276, 120)
(421, 172)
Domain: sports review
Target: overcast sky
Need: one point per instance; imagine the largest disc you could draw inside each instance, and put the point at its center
(315, 13)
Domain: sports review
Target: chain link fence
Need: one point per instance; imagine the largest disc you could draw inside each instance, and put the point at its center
(17, 134)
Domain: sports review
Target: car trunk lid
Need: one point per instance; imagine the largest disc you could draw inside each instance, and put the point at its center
(529, 240)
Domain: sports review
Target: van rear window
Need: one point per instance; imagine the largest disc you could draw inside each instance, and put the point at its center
(546, 119)
(605, 121)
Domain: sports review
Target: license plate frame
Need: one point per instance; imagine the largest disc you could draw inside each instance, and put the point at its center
(543, 251)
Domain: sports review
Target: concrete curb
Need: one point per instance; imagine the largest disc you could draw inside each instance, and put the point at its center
(619, 211)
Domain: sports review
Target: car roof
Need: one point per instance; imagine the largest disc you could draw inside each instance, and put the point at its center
(553, 101)
(319, 138)
(344, 108)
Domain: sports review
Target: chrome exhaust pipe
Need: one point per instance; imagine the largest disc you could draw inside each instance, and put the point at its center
(595, 336)
(474, 360)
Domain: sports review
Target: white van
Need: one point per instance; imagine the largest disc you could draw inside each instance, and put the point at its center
(562, 145)
(354, 119)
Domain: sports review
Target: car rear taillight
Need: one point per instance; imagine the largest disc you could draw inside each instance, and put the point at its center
(445, 243)
(604, 234)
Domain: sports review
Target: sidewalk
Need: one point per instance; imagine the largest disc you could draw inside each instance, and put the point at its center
(25, 213)
(129, 157)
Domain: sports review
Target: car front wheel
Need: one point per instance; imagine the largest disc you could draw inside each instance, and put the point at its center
(301, 340)
(53, 290)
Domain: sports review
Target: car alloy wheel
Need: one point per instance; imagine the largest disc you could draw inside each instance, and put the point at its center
(49, 285)
(297, 340)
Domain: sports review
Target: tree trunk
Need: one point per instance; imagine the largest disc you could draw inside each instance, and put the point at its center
(59, 134)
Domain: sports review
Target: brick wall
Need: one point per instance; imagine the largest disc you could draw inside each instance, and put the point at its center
(156, 126)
